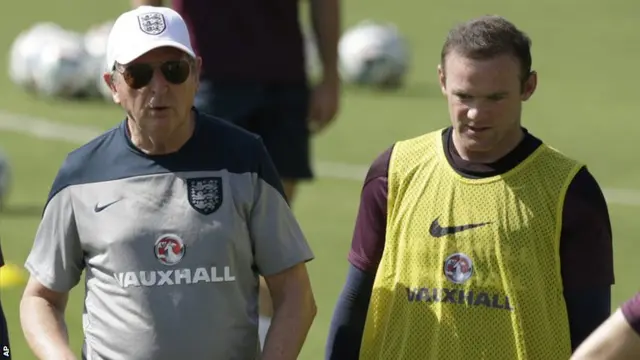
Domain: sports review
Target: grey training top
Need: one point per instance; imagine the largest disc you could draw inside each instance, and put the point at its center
(172, 245)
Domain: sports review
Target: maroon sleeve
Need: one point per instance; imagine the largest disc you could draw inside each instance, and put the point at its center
(367, 244)
(586, 247)
(631, 311)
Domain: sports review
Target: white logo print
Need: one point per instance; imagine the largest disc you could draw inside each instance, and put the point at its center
(213, 274)
(170, 249)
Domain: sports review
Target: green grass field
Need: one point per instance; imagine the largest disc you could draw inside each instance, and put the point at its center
(583, 50)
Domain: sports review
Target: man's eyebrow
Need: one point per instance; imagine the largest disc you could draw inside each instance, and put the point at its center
(495, 94)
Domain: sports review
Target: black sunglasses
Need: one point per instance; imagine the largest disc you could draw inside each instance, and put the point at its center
(139, 75)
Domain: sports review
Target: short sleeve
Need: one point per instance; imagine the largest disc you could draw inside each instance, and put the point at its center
(368, 242)
(56, 259)
(631, 311)
(277, 238)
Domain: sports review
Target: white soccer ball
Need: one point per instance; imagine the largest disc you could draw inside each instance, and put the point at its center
(95, 44)
(19, 70)
(5, 177)
(61, 69)
(103, 90)
(25, 52)
(95, 39)
(94, 71)
(373, 54)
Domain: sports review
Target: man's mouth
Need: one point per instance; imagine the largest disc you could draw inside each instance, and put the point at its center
(478, 129)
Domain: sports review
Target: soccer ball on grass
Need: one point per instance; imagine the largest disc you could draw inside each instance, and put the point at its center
(95, 44)
(373, 54)
(61, 70)
(24, 53)
(49, 60)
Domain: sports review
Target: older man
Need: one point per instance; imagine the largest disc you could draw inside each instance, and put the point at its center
(173, 214)
(253, 75)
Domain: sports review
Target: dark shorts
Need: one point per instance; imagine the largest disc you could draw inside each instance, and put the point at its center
(278, 113)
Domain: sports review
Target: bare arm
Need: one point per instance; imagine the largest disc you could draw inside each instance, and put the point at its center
(42, 320)
(136, 3)
(325, 17)
(615, 339)
(294, 311)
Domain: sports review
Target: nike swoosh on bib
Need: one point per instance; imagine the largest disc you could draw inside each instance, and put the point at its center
(99, 207)
(438, 231)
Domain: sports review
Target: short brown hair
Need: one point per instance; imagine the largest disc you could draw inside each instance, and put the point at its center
(489, 36)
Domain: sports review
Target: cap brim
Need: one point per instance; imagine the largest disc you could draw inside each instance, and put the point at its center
(135, 52)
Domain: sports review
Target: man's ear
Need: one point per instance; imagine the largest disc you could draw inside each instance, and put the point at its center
(442, 80)
(109, 80)
(529, 86)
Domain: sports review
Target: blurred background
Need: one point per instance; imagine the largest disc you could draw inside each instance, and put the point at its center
(586, 53)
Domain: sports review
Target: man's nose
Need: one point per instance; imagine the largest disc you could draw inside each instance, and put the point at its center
(472, 113)
(158, 83)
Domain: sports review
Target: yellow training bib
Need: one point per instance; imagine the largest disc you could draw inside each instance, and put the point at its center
(471, 267)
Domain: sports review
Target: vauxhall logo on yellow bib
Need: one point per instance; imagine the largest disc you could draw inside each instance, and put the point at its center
(458, 269)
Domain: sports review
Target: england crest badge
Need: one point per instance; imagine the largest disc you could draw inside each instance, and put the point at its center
(152, 23)
(205, 194)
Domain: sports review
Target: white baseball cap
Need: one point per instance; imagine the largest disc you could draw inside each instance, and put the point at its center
(138, 31)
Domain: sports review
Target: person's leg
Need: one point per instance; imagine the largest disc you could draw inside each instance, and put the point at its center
(277, 113)
(290, 186)
(265, 308)
(230, 101)
(284, 129)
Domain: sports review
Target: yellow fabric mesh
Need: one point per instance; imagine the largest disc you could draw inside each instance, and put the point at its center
(490, 291)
